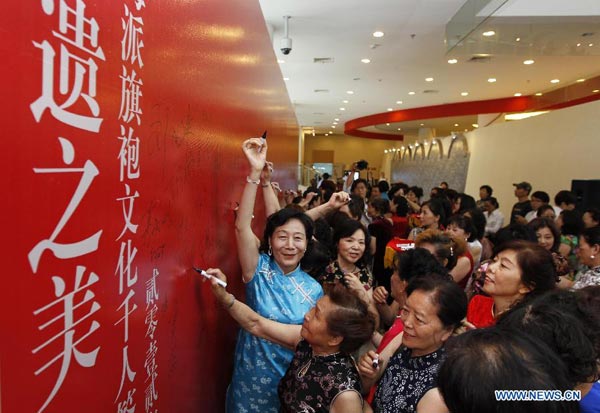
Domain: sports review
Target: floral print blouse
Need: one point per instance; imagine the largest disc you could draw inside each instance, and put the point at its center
(333, 273)
(312, 383)
(405, 380)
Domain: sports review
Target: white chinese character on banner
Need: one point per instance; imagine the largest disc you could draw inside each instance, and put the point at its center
(131, 90)
(127, 207)
(139, 4)
(151, 321)
(72, 315)
(129, 155)
(151, 290)
(126, 257)
(82, 34)
(74, 249)
(132, 40)
(127, 405)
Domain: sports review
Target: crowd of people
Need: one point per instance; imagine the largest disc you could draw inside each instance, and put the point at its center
(371, 300)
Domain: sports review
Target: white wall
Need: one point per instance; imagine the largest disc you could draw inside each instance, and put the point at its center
(548, 151)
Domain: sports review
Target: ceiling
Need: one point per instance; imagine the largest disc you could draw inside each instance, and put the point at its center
(414, 48)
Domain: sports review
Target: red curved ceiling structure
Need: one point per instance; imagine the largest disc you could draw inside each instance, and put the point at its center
(570, 95)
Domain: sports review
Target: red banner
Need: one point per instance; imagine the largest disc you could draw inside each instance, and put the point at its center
(123, 128)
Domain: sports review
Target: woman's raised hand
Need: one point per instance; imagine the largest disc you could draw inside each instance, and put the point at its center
(267, 172)
(255, 150)
(338, 200)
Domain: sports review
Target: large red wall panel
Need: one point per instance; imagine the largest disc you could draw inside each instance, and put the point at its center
(122, 126)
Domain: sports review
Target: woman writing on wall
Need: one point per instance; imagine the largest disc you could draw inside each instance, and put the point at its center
(322, 376)
(276, 288)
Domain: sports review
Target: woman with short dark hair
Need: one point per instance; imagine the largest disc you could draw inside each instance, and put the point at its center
(322, 376)
(570, 224)
(433, 309)
(432, 216)
(480, 362)
(589, 255)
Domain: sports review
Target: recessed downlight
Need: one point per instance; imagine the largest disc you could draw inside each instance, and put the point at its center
(342, 108)
(286, 78)
(378, 33)
(344, 101)
(399, 102)
(365, 60)
(518, 94)
(555, 81)
(489, 33)
(518, 39)
(528, 62)
(595, 90)
(452, 61)
(280, 61)
(591, 44)
(464, 93)
(350, 92)
(399, 128)
(580, 80)
(389, 109)
(337, 119)
(429, 79)
(387, 124)
(411, 93)
(456, 124)
(492, 80)
(539, 94)
(422, 124)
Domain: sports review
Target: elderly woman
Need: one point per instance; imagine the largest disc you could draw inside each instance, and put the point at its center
(589, 255)
(434, 307)
(276, 288)
(520, 270)
(322, 376)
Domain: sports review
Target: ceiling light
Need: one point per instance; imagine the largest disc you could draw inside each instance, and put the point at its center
(425, 143)
(422, 124)
(464, 93)
(466, 130)
(399, 128)
(554, 81)
(387, 124)
(378, 34)
(334, 123)
(475, 125)
(342, 108)
(411, 93)
(518, 39)
(578, 44)
(489, 33)
(350, 92)
(333, 126)
(399, 102)
(326, 134)
(518, 94)
(492, 79)
(280, 61)
(313, 132)
(337, 119)
(519, 116)
(591, 44)
(539, 94)
(385, 151)
(429, 79)
(365, 60)
(456, 124)
(344, 101)
(528, 62)
(452, 61)
(580, 80)
(331, 132)
(389, 109)
(286, 78)
(595, 90)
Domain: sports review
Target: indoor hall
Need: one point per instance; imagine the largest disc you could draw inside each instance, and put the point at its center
(126, 169)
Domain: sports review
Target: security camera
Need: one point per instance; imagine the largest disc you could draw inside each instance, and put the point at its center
(286, 41)
(286, 45)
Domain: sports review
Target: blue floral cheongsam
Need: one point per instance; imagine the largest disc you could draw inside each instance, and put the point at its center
(259, 364)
